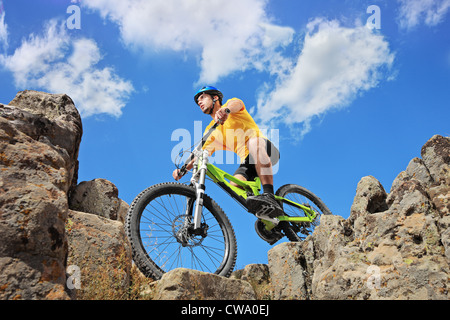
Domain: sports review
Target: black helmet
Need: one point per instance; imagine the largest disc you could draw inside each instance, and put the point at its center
(209, 90)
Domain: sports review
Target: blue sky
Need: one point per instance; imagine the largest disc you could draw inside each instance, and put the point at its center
(346, 100)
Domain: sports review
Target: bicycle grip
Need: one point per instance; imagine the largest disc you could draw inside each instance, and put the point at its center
(182, 171)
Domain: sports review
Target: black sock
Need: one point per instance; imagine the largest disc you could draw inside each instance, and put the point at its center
(268, 188)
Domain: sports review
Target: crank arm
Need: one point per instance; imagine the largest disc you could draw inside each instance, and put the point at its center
(275, 221)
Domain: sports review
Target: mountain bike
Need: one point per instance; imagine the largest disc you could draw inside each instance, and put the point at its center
(172, 225)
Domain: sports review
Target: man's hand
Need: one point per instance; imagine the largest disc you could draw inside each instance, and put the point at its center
(221, 115)
(176, 174)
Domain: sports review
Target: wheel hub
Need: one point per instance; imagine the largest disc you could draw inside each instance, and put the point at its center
(183, 231)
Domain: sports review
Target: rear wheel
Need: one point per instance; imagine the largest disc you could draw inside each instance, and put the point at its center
(294, 231)
(160, 228)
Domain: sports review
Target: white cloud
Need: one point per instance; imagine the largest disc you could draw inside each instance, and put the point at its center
(230, 35)
(430, 12)
(3, 30)
(34, 56)
(335, 65)
(56, 63)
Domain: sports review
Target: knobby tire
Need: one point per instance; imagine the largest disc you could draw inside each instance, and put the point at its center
(153, 229)
(302, 196)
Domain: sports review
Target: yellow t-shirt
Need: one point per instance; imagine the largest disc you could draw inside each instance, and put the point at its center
(234, 134)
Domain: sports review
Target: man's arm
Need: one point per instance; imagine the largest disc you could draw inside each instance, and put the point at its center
(234, 106)
(176, 172)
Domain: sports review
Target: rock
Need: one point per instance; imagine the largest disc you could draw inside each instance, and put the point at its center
(256, 273)
(259, 278)
(444, 224)
(436, 156)
(38, 165)
(288, 272)
(52, 119)
(370, 197)
(393, 246)
(100, 249)
(40, 135)
(100, 197)
(186, 284)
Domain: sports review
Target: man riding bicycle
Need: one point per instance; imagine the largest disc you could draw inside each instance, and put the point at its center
(240, 134)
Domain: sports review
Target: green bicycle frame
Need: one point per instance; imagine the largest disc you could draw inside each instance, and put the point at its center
(246, 188)
(240, 193)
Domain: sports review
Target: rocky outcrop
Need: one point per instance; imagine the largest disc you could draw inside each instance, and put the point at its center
(99, 250)
(39, 142)
(258, 276)
(51, 119)
(100, 197)
(40, 237)
(98, 246)
(287, 274)
(393, 246)
(186, 284)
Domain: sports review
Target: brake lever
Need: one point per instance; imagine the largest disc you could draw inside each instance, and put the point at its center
(183, 170)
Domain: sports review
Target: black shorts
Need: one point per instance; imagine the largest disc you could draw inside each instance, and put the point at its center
(248, 168)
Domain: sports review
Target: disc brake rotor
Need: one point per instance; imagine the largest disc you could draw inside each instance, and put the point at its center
(182, 229)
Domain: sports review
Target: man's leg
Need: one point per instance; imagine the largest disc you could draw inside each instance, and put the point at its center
(258, 151)
(263, 205)
(240, 177)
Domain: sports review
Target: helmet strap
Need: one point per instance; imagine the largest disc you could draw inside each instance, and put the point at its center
(213, 106)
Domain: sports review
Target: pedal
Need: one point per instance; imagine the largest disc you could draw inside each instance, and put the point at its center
(264, 212)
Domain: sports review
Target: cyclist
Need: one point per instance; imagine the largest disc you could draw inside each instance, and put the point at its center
(240, 134)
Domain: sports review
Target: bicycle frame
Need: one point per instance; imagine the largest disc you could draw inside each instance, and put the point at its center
(240, 193)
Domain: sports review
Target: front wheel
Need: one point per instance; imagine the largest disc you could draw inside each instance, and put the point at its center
(294, 231)
(160, 229)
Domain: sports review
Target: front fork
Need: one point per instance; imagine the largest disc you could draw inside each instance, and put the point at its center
(198, 180)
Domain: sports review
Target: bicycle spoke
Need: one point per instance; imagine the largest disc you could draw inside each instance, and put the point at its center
(162, 218)
(299, 196)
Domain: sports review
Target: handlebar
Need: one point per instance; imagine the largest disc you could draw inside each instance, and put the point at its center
(183, 170)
